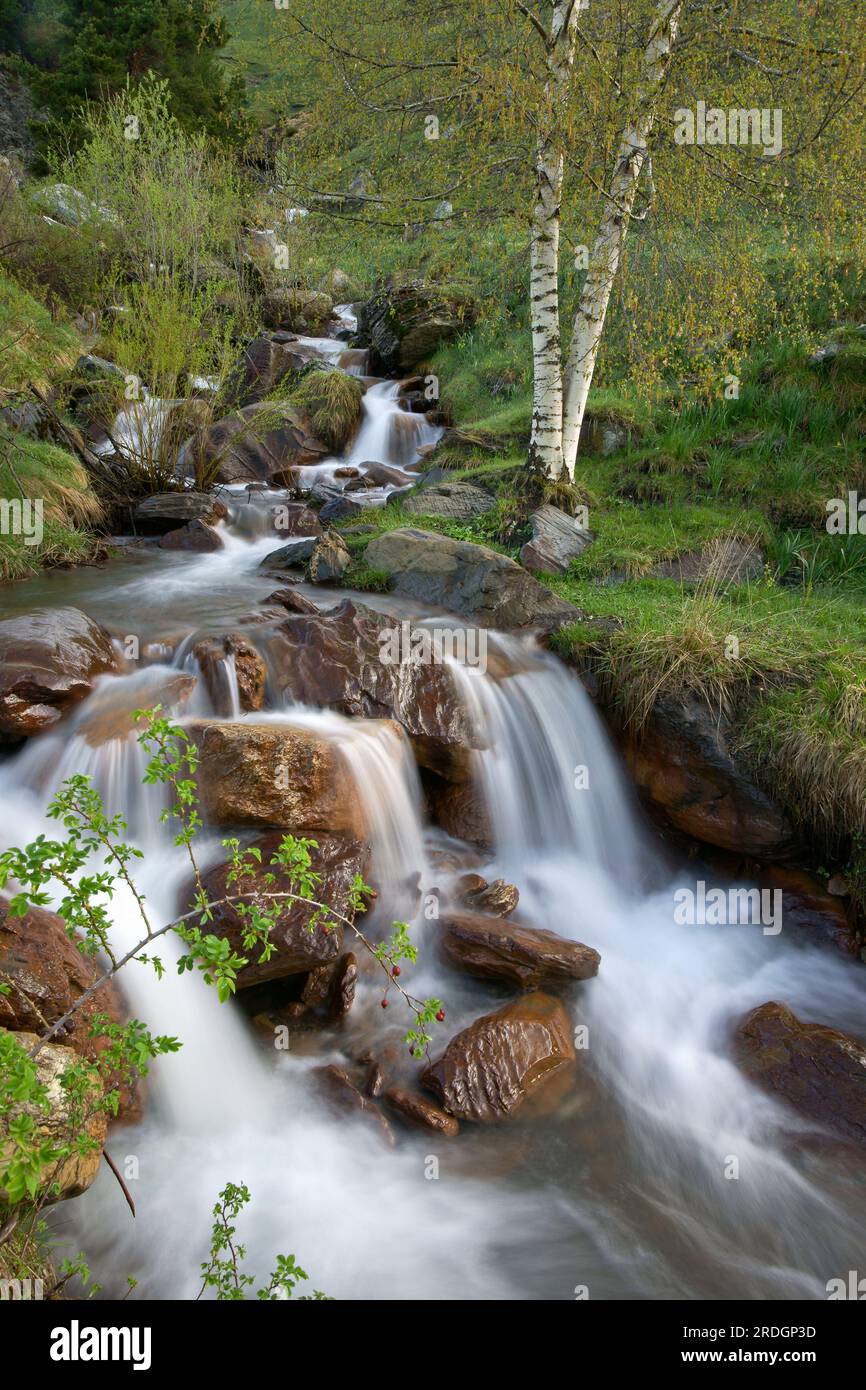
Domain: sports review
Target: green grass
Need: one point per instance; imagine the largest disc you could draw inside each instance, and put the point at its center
(33, 348)
(39, 471)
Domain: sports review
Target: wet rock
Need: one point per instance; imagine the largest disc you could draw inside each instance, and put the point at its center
(294, 519)
(261, 443)
(167, 511)
(110, 711)
(461, 811)
(518, 955)
(273, 775)
(299, 311)
(294, 601)
(455, 501)
(818, 1071)
(269, 361)
(488, 1070)
(337, 859)
(76, 1173)
(556, 541)
(345, 984)
(498, 898)
(196, 536)
(330, 560)
(420, 1112)
(682, 764)
(468, 579)
(48, 974)
(334, 660)
(340, 1091)
(340, 509)
(382, 475)
(49, 659)
(212, 654)
(294, 553)
(407, 319)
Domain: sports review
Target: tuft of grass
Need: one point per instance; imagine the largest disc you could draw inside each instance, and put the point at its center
(333, 402)
(31, 469)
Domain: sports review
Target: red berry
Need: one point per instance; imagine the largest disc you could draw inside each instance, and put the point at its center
(440, 1017)
(384, 1003)
(396, 971)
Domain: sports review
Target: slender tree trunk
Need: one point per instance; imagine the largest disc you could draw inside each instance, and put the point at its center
(545, 445)
(607, 250)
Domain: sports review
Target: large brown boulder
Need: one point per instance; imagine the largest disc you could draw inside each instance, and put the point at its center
(48, 974)
(683, 766)
(273, 775)
(460, 810)
(269, 361)
(337, 859)
(166, 511)
(468, 579)
(49, 659)
(488, 1070)
(213, 653)
(527, 957)
(196, 536)
(407, 319)
(261, 443)
(819, 1072)
(335, 660)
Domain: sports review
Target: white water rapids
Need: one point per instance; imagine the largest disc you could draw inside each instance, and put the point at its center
(621, 1190)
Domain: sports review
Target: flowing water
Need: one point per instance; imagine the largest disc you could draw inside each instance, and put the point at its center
(622, 1188)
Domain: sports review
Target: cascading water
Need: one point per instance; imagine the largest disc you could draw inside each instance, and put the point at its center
(626, 1188)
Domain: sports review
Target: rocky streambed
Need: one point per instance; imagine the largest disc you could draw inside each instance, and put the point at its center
(620, 1099)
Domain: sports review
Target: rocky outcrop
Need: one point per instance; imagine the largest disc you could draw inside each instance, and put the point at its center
(59, 1124)
(49, 659)
(334, 660)
(468, 579)
(167, 511)
(195, 536)
(271, 775)
(819, 1072)
(63, 203)
(526, 957)
(407, 319)
(299, 311)
(456, 501)
(262, 443)
(556, 541)
(460, 811)
(498, 898)
(330, 560)
(213, 652)
(272, 360)
(299, 949)
(489, 1070)
(47, 974)
(419, 1112)
(682, 765)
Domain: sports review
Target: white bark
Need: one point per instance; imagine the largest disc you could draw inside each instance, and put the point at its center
(545, 447)
(607, 251)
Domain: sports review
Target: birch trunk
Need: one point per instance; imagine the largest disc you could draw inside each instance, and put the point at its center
(545, 445)
(607, 250)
